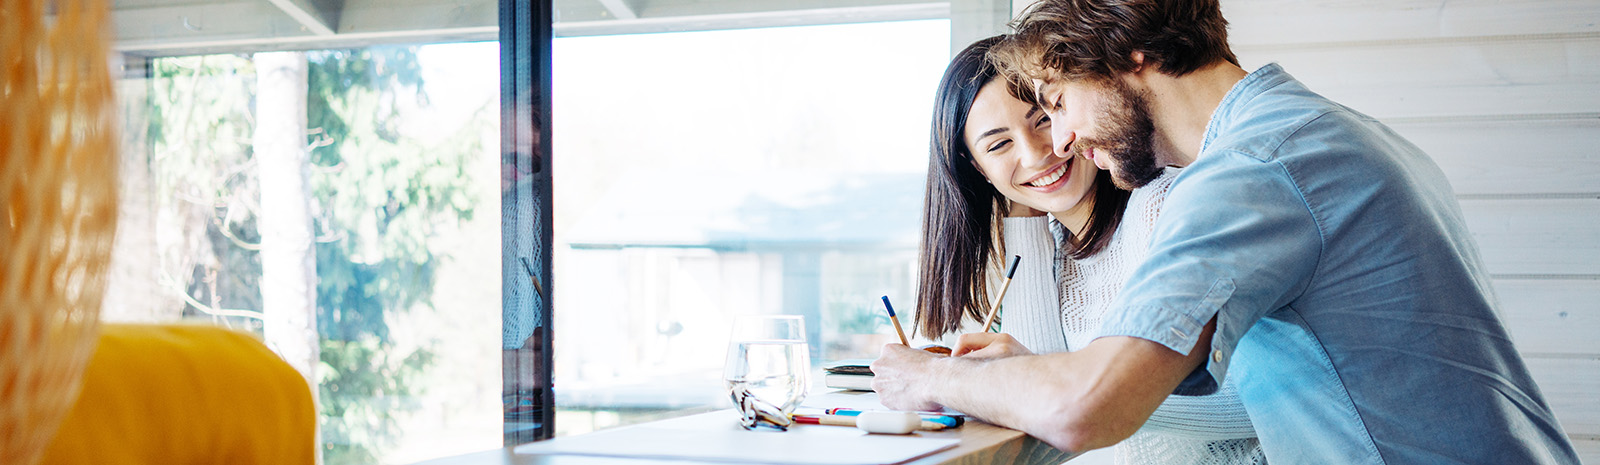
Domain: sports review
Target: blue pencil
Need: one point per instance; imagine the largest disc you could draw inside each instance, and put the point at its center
(896, 322)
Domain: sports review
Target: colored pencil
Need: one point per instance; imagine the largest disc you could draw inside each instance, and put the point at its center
(850, 420)
(896, 321)
(1011, 270)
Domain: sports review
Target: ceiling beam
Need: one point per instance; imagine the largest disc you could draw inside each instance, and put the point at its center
(244, 26)
(321, 21)
(620, 9)
(782, 18)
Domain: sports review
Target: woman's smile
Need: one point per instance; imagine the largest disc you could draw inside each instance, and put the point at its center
(1052, 180)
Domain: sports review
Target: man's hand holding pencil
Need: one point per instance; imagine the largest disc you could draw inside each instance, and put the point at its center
(901, 377)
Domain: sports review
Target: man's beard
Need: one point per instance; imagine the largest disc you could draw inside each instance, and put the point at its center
(1129, 138)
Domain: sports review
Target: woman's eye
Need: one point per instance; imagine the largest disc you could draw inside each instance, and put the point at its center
(998, 145)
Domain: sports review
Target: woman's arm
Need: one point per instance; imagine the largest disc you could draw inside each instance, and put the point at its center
(1214, 417)
(1031, 312)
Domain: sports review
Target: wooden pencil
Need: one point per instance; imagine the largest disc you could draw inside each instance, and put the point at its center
(1011, 270)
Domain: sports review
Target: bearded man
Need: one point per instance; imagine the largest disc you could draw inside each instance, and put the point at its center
(1305, 249)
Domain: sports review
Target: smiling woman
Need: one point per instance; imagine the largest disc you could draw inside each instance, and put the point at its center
(1010, 141)
(990, 150)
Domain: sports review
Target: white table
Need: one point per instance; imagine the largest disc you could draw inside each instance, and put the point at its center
(980, 443)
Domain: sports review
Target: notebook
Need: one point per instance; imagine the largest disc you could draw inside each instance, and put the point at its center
(852, 374)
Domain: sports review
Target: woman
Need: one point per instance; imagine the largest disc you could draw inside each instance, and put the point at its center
(996, 188)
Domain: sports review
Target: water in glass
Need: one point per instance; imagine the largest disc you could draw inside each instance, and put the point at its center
(768, 366)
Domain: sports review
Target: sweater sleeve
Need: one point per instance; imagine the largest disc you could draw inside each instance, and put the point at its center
(1217, 416)
(1031, 311)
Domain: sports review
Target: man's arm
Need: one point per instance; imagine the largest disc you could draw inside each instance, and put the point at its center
(1075, 401)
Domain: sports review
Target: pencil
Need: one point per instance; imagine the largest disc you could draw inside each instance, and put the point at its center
(536, 287)
(1011, 270)
(896, 322)
(850, 420)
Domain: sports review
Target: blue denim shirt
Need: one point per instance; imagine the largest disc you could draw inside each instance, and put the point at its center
(1351, 304)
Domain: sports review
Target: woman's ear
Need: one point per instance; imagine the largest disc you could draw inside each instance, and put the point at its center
(979, 169)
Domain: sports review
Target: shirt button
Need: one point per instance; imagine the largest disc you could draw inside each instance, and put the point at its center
(1217, 355)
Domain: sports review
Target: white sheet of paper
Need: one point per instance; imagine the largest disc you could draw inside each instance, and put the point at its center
(716, 436)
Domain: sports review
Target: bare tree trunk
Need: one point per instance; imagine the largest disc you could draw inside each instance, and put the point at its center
(133, 291)
(288, 261)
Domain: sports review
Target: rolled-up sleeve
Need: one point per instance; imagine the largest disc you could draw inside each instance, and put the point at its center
(1235, 241)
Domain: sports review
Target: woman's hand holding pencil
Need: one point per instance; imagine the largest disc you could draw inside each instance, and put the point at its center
(988, 321)
(941, 350)
(989, 345)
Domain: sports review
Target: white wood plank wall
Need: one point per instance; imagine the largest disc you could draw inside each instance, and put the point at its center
(1505, 95)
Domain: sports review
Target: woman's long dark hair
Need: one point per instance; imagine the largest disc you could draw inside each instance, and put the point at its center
(962, 213)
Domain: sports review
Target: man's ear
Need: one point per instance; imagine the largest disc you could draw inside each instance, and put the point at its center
(1138, 75)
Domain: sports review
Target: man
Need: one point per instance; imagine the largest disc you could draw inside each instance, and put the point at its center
(1305, 249)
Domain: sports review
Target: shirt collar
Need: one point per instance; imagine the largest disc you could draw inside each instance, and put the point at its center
(1253, 84)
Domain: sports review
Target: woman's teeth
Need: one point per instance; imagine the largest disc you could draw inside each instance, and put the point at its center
(1050, 178)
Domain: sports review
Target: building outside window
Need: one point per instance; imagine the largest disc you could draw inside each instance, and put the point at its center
(703, 175)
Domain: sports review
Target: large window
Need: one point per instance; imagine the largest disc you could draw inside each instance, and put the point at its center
(388, 224)
(350, 200)
(703, 175)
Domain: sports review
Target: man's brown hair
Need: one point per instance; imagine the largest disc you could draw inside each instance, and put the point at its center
(1095, 39)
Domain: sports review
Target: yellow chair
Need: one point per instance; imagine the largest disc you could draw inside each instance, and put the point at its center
(186, 394)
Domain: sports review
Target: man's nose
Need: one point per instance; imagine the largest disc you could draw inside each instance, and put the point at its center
(1061, 139)
(1037, 151)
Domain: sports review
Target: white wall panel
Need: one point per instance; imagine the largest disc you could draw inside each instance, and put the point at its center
(1449, 79)
(1588, 449)
(1552, 317)
(1456, 62)
(1537, 236)
(1569, 385)
(1509, 63)
(1277, 22)
(1468, 101)
(1516, 157)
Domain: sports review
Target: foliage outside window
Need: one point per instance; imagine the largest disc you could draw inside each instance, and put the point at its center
(391, 206)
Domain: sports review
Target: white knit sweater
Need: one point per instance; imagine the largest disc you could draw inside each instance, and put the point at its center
(1056, 304)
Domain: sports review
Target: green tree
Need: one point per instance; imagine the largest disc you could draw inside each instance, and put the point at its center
(200, 130)
(383, 195)
(379, 196)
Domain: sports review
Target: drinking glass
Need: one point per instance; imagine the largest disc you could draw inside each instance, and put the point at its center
(768, 368)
